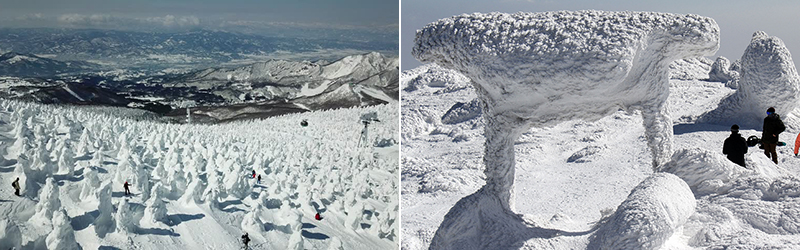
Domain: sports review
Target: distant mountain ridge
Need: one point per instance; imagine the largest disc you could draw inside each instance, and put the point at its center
(28, 65)
(140, 48)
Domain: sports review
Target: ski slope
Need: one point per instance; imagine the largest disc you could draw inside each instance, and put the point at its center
(191, 185)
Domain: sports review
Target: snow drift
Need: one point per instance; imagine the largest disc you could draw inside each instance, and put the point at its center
(768, 79)
(539, 69)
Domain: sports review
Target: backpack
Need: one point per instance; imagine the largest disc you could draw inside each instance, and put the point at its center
(753, 140)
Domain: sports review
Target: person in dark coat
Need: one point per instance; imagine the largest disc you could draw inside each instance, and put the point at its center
(773, 126)
(245, 239)
(15, 184)
(127, 191)
(259, 179)
(735, 146)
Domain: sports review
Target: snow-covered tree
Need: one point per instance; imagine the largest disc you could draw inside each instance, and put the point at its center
(91, 183)
(156, 209)
(105, 222)
(125, 218)
(48, 200)
(66, 162)
(62, 236)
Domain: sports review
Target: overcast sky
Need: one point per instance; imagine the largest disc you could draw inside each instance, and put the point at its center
(737, 19)
(195, 13)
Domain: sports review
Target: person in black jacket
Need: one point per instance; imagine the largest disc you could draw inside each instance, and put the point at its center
(15, 184)
(735, 146)
(773, 126)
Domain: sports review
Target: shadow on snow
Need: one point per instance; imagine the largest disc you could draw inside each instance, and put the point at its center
(176, 219)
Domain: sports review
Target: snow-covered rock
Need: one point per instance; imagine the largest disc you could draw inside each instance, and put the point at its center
(653, 211)
(768, 79)
(721, 71)
(540, 69)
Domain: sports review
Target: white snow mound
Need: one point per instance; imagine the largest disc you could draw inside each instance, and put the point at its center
(649, 216)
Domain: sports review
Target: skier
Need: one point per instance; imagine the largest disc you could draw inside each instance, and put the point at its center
(735, 146)
(15, 184)
(254, 173)
(773, 126)
(127, 191)
(317, 217)
(245, 239)
(259, 179)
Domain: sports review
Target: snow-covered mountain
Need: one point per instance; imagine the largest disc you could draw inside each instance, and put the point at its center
(351, 81)
(191, 184)
(28, 65)
(473, 178)
(263, 89)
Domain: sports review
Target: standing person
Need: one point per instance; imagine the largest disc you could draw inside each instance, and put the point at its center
(245, 239)
(127, 191)
(773, 126)
(735, 146)
(15, 184)
(254, 173)
(259, 179)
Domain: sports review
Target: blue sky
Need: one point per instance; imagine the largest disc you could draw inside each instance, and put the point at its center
(738, 19)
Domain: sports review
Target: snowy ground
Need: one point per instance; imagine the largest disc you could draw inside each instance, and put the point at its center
(191, 187)
(570, 174)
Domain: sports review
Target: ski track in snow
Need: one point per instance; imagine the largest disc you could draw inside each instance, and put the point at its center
(441, 163)
(201, 172)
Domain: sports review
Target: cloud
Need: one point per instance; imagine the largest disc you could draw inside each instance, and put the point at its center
(173, 21)
(109, 21)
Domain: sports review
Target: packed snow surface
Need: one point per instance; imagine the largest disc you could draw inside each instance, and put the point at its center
(574, 177)
(191, 184)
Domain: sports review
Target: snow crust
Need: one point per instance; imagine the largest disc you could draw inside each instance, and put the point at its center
(540, 69)
(768, 79)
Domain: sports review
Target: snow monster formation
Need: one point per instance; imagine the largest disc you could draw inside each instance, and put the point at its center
(540, 69)
(768, 79)
(721, 71)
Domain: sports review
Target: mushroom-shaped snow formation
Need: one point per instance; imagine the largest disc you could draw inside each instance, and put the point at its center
(768, 79)
(539, 69)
